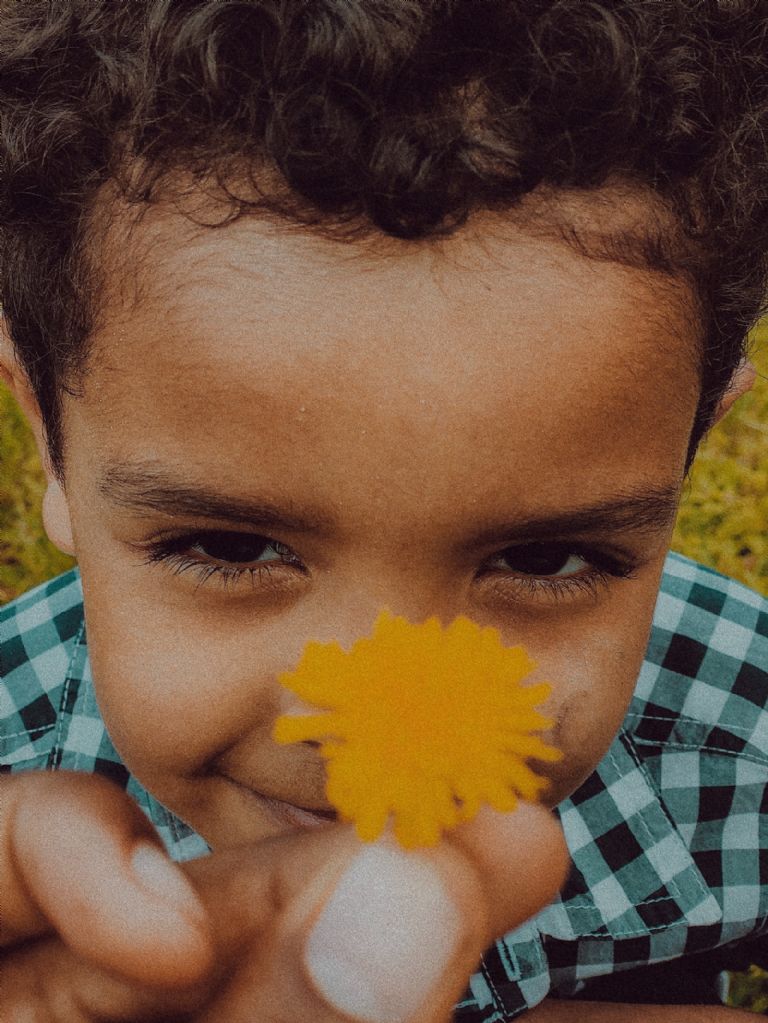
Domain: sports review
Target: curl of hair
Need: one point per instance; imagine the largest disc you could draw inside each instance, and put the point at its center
(362, 117)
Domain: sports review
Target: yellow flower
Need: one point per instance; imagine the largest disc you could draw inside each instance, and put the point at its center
(423, 724)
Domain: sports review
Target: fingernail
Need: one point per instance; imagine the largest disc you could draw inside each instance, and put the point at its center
(161, 878)
(384, 937)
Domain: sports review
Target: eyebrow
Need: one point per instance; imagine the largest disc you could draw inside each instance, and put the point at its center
(648, 509)
(143, 487)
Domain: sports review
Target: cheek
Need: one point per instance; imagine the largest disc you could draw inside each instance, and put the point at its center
(172, 695)
(593, 681)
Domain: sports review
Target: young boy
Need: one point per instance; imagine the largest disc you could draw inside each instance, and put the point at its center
(321, 308)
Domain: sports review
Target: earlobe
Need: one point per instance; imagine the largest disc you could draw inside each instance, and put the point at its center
(742, 381)
(56, 517)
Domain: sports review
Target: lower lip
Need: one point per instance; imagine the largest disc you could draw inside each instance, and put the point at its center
(286, 813)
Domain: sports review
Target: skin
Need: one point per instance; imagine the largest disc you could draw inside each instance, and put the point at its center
(409, 414)
(412, 397)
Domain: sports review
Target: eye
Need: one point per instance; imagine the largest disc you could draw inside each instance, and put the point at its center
(554, 570)
(543, 560)
(238, 548)
(224, 557)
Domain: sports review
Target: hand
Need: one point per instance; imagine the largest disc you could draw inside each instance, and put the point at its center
(93, 915)
(309, 926)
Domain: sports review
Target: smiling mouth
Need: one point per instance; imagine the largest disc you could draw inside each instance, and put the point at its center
(284, 812)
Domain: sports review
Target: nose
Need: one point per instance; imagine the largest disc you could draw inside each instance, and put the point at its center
(353, 619)
(350, 612)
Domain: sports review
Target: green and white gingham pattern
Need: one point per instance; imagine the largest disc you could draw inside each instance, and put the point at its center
(667, 836)
(49, 719)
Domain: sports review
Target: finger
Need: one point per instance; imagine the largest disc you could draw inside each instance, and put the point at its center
(78, 857)
(401, 934)
(330, 929)
(44, 980)
(521, 860)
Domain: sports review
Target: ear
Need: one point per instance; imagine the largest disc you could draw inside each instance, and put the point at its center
(742, 381)
(56, 517)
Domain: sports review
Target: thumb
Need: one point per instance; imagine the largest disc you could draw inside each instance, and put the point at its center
(402, 932)
(386, 936)
(321, 928)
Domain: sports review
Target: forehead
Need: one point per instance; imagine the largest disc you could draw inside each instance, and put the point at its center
(497, 268)
(471, 344)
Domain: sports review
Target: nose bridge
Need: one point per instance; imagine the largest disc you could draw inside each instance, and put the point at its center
(412, 595)
(353, 611)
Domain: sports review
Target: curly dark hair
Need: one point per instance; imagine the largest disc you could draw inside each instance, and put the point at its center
(363, 118)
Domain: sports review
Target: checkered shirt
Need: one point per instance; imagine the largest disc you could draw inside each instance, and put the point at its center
(666, 836)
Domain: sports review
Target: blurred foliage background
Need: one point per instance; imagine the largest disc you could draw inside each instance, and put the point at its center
(723, 521)
(723, 518)
(26, 555)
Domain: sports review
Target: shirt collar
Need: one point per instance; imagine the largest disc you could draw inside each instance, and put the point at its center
(631, 873)
(631, 876)
(83, 744)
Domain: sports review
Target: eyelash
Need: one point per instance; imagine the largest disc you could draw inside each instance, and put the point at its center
(170, 552)
(560, 588)
(604, 567)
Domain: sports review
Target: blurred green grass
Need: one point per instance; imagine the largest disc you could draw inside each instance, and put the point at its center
(26, 555)
(723, 518)
(722, 521)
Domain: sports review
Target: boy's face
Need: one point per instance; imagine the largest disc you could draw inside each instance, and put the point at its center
(412, 432)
